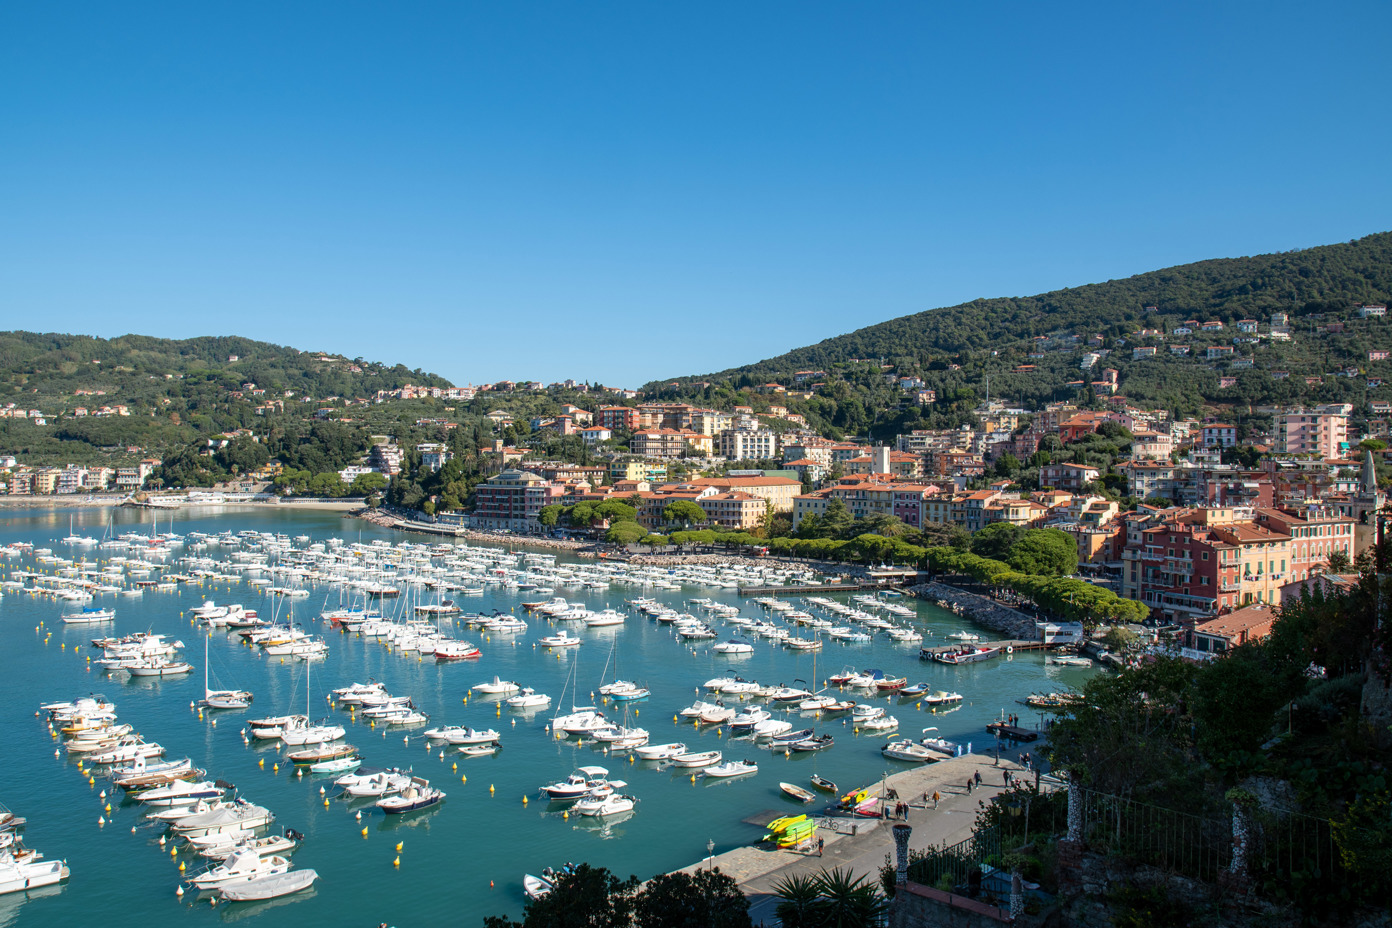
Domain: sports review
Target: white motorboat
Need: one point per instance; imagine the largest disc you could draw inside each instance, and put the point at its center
(910, 751)
(563, 640)
(964, 636)
(942, 698)
(269, 887)
(771, 728)
(244, 815)
(159, 667)
(717, 715)
(379, 784)
(271, 728)
(880, 723)
(242, 866)
(418, 795)
(353, 694)
(497, 686)
(528, 699)
(336, 765)
(733, 646)
(733, 768)
(660, 751)
(296, 735)
(817, 702)
(89, 616)
(697, 759)
(18, 874)
(182, 793)
(220, 847)
(459, 734)
(747, 719)
(579, 783)
(609, 805)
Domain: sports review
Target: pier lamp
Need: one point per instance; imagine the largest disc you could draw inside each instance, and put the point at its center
(710, 853)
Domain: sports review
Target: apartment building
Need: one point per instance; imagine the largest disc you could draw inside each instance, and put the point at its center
(1322, 431)
(511, 500)
(749, 445)
(669, 443)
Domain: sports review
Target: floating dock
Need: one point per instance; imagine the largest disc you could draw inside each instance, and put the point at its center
(824, 588)
(1014, 732)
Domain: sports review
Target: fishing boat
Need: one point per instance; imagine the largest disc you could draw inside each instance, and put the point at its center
(797, 792)
(419, 795)
(891, 685)
(535, 887)
(269, 887)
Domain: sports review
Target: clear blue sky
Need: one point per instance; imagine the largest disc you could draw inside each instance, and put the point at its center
(626, 191)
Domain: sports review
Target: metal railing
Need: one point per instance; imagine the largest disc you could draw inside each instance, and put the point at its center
(957, 867)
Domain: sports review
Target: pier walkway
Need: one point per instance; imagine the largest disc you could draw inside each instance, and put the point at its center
(860, 844)
(797, 590)
(1015, 644)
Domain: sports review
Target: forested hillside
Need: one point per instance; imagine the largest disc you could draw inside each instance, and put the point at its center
(132, 366)
(955, 348)
(153, 394)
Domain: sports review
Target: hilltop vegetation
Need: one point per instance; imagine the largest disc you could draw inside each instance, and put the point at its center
(953, 349)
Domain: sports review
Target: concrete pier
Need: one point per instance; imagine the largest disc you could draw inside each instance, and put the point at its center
(861, 844)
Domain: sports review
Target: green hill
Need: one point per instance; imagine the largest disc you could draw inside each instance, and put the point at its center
(954, 349)
(174, 393)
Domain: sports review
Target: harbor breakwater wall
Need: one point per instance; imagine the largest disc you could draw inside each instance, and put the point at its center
(981, 609)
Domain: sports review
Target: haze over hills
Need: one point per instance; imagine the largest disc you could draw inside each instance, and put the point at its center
(996, 336)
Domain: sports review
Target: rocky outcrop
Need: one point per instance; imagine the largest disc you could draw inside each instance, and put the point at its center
(980, 609)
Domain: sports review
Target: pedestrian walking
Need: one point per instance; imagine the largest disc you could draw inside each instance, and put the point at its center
(937, 797)
(820, 843)
(978, 778)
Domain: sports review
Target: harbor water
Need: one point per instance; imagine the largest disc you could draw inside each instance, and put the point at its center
(465, 858)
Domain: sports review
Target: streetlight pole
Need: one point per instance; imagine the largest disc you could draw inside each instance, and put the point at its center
(710, 853)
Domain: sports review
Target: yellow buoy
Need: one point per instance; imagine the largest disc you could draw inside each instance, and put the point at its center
(181, 866)
(364, 832)
(399, 846)
(490, 787)
(261, 762)
(397, 862)
(524, 800)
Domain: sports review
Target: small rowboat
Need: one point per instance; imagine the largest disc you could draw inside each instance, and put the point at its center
(823, 784)
(797, 792)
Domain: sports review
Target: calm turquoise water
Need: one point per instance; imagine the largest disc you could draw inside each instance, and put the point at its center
(465, 858)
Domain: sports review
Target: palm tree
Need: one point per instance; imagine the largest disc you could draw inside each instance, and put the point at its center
(849, 901)
(800, 895)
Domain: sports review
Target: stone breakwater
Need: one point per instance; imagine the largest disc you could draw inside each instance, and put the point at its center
(981, 609)
(679, 560)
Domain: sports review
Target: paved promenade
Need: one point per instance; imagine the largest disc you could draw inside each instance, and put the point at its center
(757, 869)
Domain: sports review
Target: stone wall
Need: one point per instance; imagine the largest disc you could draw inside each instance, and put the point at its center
(981, 609)
(917, 906)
